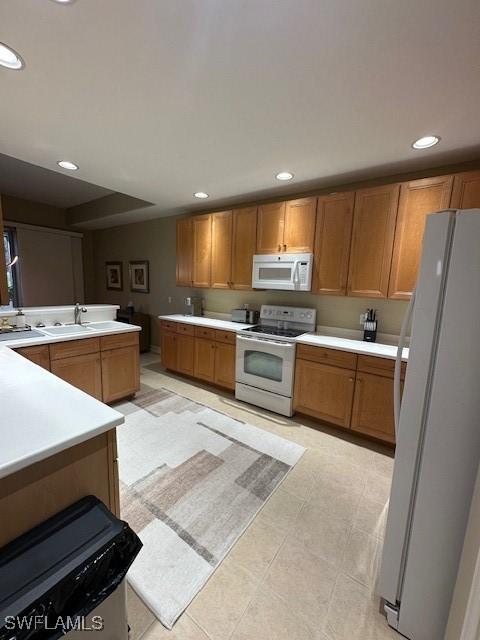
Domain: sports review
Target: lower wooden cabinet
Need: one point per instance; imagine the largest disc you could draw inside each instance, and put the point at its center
(83, 372)
(38, 354)
(225, 365)
(200, 352)
(324, 392)
(185, 354)
(373, 407)
(204, 365)
(169, 350)
(120, 373)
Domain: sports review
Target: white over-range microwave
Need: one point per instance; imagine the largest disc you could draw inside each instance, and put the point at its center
(286, 271)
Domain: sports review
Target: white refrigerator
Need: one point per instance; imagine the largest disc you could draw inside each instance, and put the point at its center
(438, 442)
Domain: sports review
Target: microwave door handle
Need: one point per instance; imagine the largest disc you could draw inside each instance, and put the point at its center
(295, 279)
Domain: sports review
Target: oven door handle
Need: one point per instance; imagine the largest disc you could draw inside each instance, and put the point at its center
(288, 345)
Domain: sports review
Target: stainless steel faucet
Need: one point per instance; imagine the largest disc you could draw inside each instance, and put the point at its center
(78, 313)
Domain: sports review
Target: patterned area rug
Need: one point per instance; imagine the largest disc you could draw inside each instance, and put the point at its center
(191, 481)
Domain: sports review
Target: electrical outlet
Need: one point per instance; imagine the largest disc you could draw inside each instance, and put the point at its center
(169, 299)
(363, 317)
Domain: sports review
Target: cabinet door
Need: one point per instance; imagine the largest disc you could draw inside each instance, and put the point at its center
(120, 373)
(39, 355)
(4, 297)
(299, 226)
(324, 392)
(184, 252)
(225, 365)
(169, 350)
(332, 243)
(83, 372)
(204, 365)
(417, 200)
(466, 191)
(221, 250)
(185, 354)
(271, 220)
(202, 250)
(374, 218)
(373, 407)
(244, 240)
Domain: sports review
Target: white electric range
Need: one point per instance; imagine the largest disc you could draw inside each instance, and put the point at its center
(265, 358)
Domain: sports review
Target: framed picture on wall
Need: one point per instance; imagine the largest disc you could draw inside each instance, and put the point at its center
(114, 275)
(139, 276)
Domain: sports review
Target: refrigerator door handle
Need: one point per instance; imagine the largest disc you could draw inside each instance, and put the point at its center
(398, 364)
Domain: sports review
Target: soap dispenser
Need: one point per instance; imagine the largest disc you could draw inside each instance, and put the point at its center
(20, 320)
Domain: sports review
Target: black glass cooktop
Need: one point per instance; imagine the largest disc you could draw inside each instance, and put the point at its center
(274, 331)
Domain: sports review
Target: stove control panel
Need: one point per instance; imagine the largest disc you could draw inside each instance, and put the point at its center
(297, 315)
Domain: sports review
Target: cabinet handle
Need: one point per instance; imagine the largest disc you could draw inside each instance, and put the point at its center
(351, 379)
(279, 247)
(284, 247)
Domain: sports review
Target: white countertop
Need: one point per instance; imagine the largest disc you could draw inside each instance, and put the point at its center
(42, 414)
(316, 339)
(355, 346)
(212, 323)
(95, 331)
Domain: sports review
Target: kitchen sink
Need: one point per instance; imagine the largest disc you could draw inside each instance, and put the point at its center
(66, 330)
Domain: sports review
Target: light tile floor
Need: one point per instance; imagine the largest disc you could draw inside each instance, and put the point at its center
(305, 568)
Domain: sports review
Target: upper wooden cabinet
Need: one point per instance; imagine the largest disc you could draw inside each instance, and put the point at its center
(271, 220)
(332, 243)
(244, 240)
(4, 298)
(299, 226)
(184, 252)
(221, 250)
(417, 200)
(466, 190)
(374, 218)
(287, 226)
(202, 251)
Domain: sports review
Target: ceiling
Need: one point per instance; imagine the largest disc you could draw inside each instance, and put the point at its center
(29, 181)
(158, 99)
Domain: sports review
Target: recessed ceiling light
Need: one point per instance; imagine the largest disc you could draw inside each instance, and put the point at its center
(284, 175)
(10, 58)
(425, 142)
(66, 164)
(201, 194)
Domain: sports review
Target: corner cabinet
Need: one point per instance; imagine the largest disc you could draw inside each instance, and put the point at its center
(417, 199)
(332, 243)
(374, 219)
(4, 297)
(202, 251)
(184, 245)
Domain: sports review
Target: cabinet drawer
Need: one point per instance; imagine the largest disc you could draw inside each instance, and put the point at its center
(72, 348)
(118, 340)
(334, 357)
(379, 366)
(186, 329)
(168, 325)
(205, 332)
(229, 337)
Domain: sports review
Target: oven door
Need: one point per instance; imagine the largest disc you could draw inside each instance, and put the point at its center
(265, 364)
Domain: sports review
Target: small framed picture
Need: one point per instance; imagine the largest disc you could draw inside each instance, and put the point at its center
(114, 274)
(139, 277)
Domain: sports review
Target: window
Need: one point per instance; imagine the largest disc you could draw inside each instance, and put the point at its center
(11, 258)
